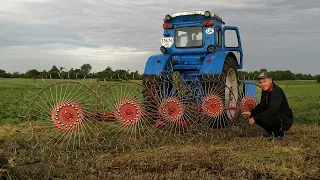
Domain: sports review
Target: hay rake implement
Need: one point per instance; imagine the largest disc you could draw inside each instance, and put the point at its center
(78, 114)
(191, 88)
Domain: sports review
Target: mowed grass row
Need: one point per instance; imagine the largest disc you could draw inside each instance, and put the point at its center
(233, 154)
(303, 96)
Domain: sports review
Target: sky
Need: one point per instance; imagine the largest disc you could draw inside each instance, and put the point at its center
(122, 34)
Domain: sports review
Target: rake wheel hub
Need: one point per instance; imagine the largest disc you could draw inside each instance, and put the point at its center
(171, 110)
(67, 115)
(247, 103)
(212, 106)
(128, 112)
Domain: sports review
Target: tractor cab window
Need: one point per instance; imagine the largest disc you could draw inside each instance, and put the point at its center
(231, 38)
(188, 37)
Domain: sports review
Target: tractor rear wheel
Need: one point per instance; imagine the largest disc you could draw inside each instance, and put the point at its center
(229, 80)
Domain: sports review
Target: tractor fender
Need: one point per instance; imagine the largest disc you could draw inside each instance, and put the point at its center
(156, 64)
(213, 63)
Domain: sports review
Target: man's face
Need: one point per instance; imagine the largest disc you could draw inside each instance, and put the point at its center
(265, 84)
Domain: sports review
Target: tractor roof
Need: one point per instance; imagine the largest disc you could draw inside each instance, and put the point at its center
(196, 12)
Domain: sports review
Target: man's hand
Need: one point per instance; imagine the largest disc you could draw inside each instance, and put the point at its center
(246, 114)
(251, 121)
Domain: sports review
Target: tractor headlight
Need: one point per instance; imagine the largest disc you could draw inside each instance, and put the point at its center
(163, 49)
(211, 49)
(207, 14)
(167, 17)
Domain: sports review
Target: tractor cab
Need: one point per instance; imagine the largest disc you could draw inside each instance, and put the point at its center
(195, 43)
(190, 32)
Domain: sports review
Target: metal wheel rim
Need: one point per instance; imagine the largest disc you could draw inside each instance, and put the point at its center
(231, 89)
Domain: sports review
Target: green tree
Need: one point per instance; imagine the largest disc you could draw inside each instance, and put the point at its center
(71, 74)
(53, 72)
(120, 74)
(310, 77)
(63, 73)
(318, 78)
(54, 68)
(8, 75)
(33, 73)
(242, 74)
(86, 69)
(22, 75)
(15, 75)
(2, 73)
(134, 75)
(78, 74)
(44, 74)
(263, 70)
(287, 75)
(106, 74)
(299, 76)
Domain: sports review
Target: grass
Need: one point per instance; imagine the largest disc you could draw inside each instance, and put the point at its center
(234, 153)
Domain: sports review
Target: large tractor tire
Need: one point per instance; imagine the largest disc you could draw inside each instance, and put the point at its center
(229, 80)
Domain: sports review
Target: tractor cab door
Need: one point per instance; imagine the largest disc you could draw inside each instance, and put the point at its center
(232, 42)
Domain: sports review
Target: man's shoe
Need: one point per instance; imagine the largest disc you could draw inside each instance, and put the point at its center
(279, 138)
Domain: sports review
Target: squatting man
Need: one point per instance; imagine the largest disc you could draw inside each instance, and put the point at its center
(273, 113)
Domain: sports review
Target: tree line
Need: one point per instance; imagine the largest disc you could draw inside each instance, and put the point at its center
(280, 75)
(109, 74)
(83, 72)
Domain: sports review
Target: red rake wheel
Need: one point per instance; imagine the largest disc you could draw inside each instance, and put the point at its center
(219, 102)
(177, 107)
(67, 115)
(212, 106)
(247, 103)
(128, 112)
(62, 116)
(132, 116)
(171, 110)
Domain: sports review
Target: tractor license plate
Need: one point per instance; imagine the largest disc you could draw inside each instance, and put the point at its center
(167, 42)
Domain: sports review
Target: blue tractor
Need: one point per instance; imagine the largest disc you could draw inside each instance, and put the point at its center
(196, 45)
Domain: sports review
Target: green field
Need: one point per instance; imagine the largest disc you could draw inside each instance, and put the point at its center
(235, 153)
(303, 96)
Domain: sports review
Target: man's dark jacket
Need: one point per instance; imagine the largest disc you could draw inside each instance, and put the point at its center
(273, 103)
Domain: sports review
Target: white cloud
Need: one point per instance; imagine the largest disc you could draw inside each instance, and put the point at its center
(107, 53)
(237, 4)
(22, 58)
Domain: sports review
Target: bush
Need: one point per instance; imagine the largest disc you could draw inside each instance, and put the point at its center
(318, 78)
